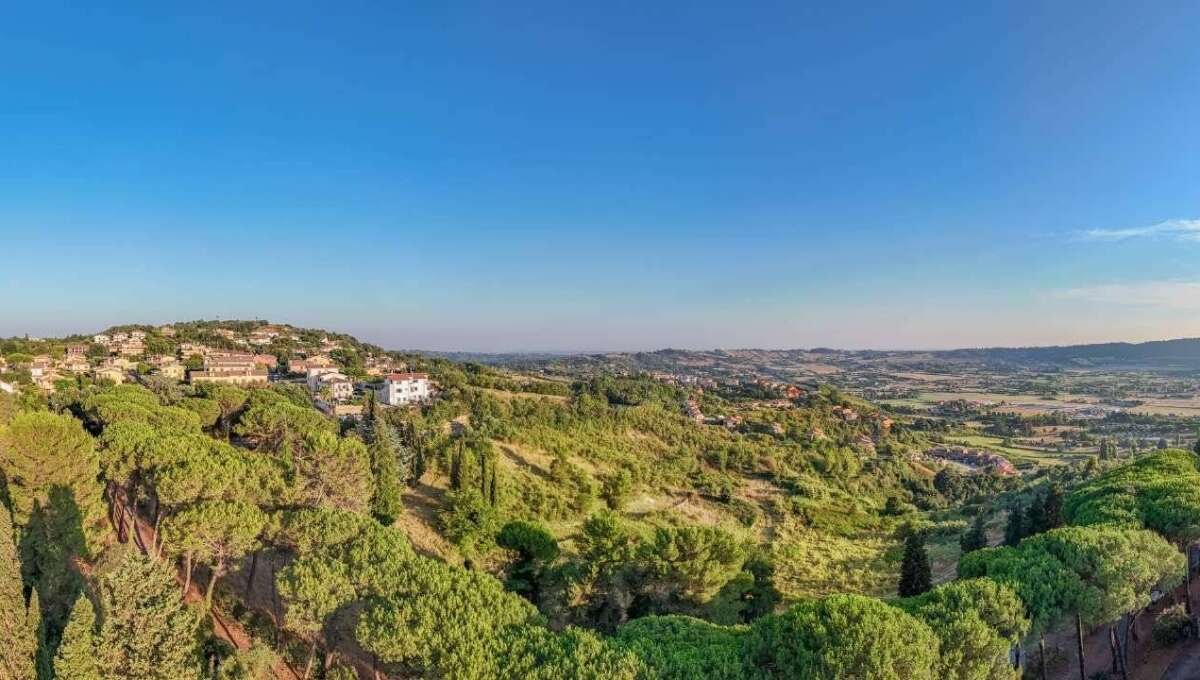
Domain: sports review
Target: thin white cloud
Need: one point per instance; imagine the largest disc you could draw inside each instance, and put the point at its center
(1182, 230)
(1172, 295)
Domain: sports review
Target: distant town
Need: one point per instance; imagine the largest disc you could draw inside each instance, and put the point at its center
(210, 353)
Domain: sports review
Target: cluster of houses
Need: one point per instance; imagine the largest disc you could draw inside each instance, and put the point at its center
(683, 379)
(331, 388)
(978, 459)
(131, 344)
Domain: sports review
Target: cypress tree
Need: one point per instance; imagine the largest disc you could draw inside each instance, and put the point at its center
(915, 575)
(1035, 516)
(146, 630)
(1014, 531)
(76, 656)
(387, 501)
(35, 622)
(975, 537)
(18, 639)
(456, 479)
(1053, 507)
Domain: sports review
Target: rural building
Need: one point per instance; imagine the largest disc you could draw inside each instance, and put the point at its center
(404, 388)
(109, 373)
(74, 365)
(338, 386)
(174, 371)
(975, 458)
(232, 377)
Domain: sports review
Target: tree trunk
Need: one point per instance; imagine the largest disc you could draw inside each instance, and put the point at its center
(137, 535)
(1124, 656)
(275, 600)
(1112, 648)
(157, 520)
(1079, 643)
(212, 582)
(110, 494)
(122, 534)
(250, 576)
(157, 537)
(1187, 580)
(312, 654)
(1042, 645)
(187, 568)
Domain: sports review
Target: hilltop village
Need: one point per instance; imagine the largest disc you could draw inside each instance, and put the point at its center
(245, 356)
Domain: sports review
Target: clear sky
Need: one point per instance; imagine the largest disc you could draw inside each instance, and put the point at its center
(607, 175)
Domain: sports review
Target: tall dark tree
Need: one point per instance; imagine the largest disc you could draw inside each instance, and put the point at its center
(1053, 504)
(383, 445)
(1035, 516)
(146, 630)
(974, 538)
(915, 575)
(18, 625)
(76, 657)
(1014, 531)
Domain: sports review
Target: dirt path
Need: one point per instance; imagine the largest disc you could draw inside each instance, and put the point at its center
(1147, 660)
(1186, 664)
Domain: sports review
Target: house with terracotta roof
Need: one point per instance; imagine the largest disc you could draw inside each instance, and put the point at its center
(232, 377)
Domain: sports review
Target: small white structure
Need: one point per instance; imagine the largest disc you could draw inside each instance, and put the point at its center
(404, 388)
(313, 375)
(339, 386)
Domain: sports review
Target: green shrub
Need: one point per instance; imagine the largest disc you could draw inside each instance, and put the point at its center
(1172, 625)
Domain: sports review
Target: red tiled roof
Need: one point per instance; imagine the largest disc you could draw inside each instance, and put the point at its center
(407, 376)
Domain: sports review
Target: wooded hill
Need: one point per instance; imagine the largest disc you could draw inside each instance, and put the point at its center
(519, 527)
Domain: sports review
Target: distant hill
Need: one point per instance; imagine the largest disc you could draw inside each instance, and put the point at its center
(1181, 354)
(1161, 355)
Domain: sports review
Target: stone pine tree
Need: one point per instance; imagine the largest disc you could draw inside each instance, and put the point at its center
(974, 538)
(915, 575)
(76, 658)
(18, 633)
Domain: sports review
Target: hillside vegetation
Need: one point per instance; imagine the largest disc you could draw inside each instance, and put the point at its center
(520, 526)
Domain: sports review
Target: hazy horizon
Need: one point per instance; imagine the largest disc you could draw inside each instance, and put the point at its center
(391, 346)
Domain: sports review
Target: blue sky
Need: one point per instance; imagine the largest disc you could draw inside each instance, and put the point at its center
(619, 175)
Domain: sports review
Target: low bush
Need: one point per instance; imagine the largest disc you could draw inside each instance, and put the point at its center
(1172, 625)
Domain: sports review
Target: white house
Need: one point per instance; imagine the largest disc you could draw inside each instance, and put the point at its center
(313, 375)
(404, 388)
(340, 387)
